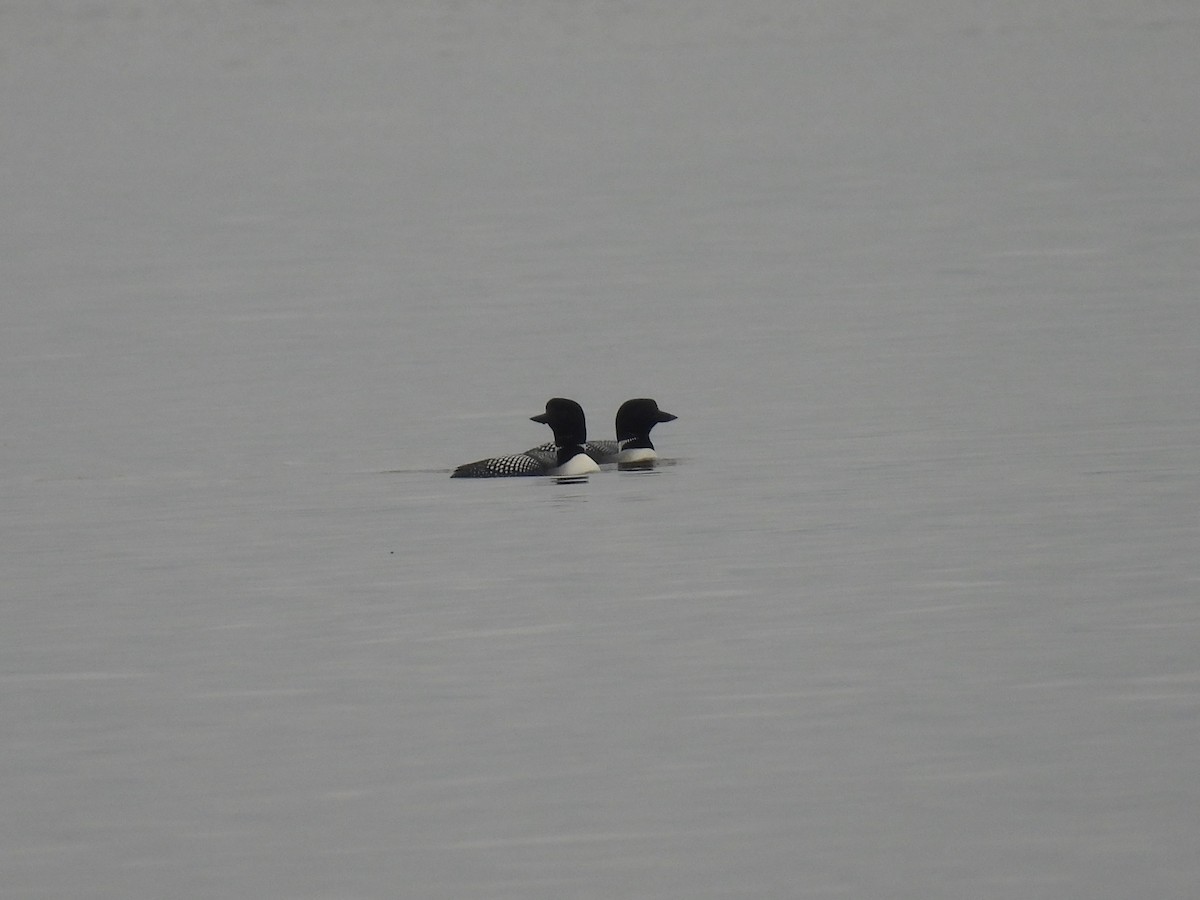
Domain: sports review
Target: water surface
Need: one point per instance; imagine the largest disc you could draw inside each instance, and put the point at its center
(910, 610)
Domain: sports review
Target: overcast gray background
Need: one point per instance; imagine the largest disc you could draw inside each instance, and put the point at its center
(910, 612)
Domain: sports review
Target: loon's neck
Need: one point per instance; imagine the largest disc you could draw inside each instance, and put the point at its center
(567, 452)
(637, 442)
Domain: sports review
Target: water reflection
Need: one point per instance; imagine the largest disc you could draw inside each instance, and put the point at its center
(648, 465)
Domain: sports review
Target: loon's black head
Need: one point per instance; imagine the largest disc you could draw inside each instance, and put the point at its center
(565, 418)
(635, 418)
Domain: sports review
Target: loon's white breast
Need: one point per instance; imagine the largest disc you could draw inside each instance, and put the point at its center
(579, 464)
(636, 455)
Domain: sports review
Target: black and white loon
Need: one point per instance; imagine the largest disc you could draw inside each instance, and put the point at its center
(564, 457)
(635, 418)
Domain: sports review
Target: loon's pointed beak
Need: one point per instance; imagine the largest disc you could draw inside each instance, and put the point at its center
(664, 416)
(544, 418)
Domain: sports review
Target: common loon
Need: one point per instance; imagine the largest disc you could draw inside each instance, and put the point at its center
(564, 457)
(635, 418)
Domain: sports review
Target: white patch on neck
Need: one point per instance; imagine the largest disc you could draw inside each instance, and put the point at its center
(579, 464)
(637, 454)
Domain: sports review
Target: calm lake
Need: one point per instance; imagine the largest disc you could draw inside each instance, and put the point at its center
(911, 606)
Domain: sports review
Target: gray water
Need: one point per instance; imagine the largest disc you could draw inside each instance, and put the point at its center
(911, 607)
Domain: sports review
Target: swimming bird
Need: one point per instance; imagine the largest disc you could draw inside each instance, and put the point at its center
(635, 418)
(564, 457)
